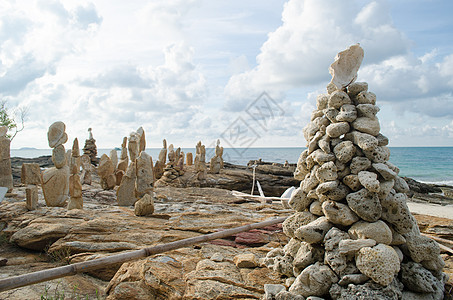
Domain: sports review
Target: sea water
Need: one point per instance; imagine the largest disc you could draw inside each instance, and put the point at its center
(425, 164)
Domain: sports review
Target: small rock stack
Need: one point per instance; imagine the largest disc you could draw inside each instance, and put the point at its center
(200, 161)
(352, 235)
(55, 181)
(75, 185)
(173, 169)
(217, 160)
(90, 148)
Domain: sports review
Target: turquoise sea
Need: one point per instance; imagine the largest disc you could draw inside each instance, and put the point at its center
(426, 164)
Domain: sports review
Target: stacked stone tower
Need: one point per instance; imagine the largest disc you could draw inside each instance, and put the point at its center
(352, 235)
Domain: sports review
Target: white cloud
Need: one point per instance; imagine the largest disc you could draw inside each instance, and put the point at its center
(299, 52)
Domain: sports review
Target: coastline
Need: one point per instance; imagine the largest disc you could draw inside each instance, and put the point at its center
(430, 165)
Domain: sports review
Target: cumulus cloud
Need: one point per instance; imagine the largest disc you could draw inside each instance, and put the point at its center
(299, 52)
(32, 44)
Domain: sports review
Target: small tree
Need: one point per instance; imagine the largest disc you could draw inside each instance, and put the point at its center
(6, 120)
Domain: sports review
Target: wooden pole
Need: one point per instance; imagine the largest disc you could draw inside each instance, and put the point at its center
(45, 275)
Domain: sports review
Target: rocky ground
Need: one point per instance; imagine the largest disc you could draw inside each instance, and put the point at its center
(51, 236)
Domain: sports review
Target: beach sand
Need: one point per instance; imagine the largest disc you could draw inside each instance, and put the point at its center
(436, 210)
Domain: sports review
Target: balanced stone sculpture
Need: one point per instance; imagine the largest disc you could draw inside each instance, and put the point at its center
(132, 145)
(124, 159)
(85, 176)
(6, 177)
(145, 177)
(200, 161)
(160, 163)
(175, 165)
(352, 232)
(142, 140)
(125, 194)
(75, 186)
(106, 173)
(90, 148)
(55, 181)
(217, 160)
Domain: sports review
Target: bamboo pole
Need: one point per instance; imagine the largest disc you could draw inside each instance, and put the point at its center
(49, 274)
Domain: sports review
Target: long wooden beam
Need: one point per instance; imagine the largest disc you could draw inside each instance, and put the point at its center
(49, 274)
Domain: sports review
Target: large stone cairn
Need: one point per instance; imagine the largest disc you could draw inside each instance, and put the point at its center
(90, 148)
(55, 181)
(6, 177)
(352, 235)
(217, 160)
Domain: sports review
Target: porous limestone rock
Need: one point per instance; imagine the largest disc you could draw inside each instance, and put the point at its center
(335, 130)
(293, 222)
(337, 99)
(307, 254)
(355, 88)
(339, 213)
(348, 246)
(327, 172)
(271, 291)
(314, 231)
(369, 181)
(418, 279)
(315, 280)
(396, 212)
(367, 125)
(359, 164)
(348, 113)
(346, 65)
(380, 263)
(378, 231)
(344, 151)
(384, 171)
(352, 181)
(299, 200)
(365, 204)
(333, 257)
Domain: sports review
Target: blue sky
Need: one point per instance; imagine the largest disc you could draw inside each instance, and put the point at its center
(189, 70)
